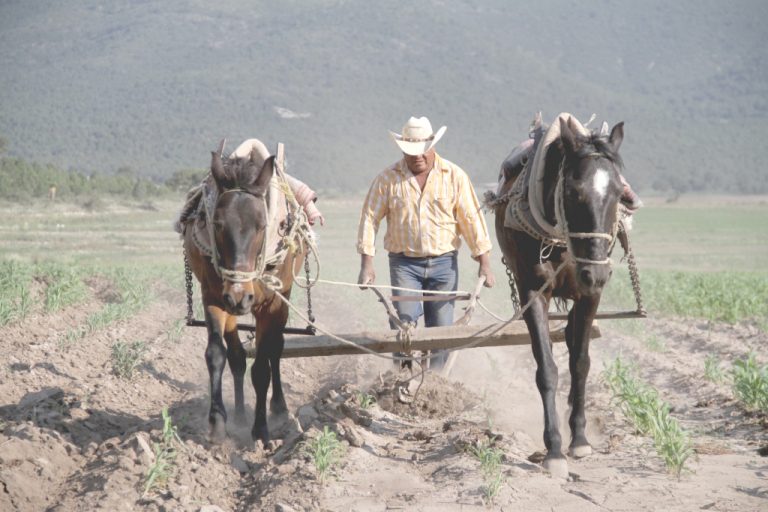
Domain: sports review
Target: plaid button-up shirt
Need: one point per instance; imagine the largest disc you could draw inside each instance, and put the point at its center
(423, 223)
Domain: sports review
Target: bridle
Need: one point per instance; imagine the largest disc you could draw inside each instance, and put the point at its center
(562, 222)
(231, 275)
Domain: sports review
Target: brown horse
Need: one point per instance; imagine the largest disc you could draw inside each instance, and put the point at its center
(238, 277)
(580, 188)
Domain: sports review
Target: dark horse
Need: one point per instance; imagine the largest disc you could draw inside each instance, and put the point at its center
(233, 279)
(586, 204)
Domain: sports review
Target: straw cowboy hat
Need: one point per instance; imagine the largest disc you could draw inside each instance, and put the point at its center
(417, 137)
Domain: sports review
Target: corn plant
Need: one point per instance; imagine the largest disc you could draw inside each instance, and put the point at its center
(655, 344)
(712, 370)
(25, 301)
(165, 455)
(750, 383)
(670, 440)
(650, 415)
(490, 465)
(126, 357)
(325, 451)
(365, 400)
(7, 311)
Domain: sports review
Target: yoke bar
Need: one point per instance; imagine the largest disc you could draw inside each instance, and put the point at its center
(307, 331)
(605, 315)
(423, 338)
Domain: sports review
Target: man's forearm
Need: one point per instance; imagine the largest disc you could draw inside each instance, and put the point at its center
(367, 273)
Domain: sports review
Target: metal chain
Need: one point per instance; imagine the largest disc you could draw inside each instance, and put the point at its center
(309, 287)
(512, 287)
(188, 279)
(635, 278)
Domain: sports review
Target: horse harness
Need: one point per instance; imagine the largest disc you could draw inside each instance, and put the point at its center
(519, 210)
(293, 231)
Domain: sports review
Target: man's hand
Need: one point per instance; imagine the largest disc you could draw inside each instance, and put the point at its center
(485, 270)
(367, 274)
(313, 214)
(315, 218)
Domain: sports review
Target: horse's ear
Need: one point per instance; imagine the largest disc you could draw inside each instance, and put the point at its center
(617, 135)
(261, 181)
(217, 168)
(570, 145)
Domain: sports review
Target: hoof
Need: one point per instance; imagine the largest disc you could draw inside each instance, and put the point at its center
(217, 431)
(577, 452)
(557, 467)
(278, 407)
(240, 419)
(260, 434)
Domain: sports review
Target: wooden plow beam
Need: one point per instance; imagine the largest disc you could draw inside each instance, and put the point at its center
(424, 338)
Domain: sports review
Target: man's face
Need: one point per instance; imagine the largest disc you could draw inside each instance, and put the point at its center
(420, 163)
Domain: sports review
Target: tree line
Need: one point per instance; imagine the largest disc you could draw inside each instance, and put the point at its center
(21, 180)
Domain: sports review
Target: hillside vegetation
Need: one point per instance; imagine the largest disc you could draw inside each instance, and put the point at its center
(153, 86)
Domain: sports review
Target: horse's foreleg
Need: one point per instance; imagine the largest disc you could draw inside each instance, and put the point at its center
(580, 322)
(274, 349)
(260, 378)
(215, 358)
(546, 381)
(269, 337)
(277, 404)
(236, 358)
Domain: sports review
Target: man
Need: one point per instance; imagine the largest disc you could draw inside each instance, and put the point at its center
(429, 203)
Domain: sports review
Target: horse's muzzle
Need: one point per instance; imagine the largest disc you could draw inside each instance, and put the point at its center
(592, 278)
(238, 299)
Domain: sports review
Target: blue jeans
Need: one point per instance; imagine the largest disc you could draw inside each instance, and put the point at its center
(430, 273)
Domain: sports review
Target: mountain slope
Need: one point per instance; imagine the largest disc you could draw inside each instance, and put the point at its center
(155, 86)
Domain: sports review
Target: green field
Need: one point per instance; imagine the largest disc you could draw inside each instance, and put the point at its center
(703, 257)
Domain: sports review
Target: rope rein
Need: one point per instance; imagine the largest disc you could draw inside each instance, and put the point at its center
(383, 287)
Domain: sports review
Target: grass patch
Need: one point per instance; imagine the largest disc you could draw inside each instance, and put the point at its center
(174, 333)
(717, 296)
(490, 465)
(126, 357)
(325, 451)
(16, 299)
(65, 287)
(750, 383)
(134, 295)
(650, 415)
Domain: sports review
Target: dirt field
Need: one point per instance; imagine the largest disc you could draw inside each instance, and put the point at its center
(71, 430)
(74, 436)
